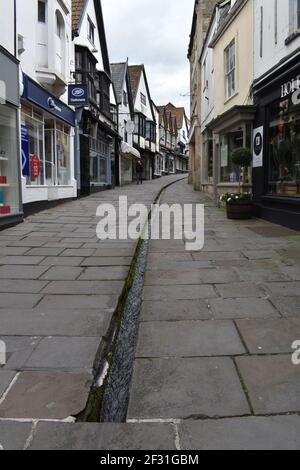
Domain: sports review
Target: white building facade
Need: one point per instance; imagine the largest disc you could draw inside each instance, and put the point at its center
(46, 55)
(128, 155)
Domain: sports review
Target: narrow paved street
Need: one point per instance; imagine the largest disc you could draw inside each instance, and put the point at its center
(213, 365)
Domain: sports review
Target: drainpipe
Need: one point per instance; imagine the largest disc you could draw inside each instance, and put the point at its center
(15, 28)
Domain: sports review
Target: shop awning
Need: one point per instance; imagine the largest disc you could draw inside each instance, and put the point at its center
(127, 150)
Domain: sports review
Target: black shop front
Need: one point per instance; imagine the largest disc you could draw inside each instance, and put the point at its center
(276, 145)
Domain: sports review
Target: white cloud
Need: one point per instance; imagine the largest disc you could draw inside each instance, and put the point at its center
(156, 33)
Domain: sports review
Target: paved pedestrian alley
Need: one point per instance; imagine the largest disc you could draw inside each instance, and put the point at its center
(213, 366)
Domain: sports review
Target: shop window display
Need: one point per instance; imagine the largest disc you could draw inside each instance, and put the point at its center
(9, 177)
(284, 149)
(229, 172)
(35, 129)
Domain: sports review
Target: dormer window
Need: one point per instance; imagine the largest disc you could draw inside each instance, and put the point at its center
(91, 31)
(143, 99)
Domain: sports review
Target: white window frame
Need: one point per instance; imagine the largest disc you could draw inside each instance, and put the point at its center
(230, 71)
(294, 16)
(91, 31)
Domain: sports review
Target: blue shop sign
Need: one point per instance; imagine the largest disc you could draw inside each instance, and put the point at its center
(40, 97)
(78, 95)
(25, 151)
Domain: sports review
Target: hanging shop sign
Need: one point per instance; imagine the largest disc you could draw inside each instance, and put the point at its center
(25, 151)
(35, 165)
(78, 95)
(258, 147)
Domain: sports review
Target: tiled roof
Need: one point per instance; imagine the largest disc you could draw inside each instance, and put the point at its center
(77, 10)
(178, 113)
(118, 71)
(135, 72)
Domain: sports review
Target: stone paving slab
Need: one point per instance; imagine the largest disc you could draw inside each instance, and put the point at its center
(283, 289)
(166, 257)
(156, 293)
(251, 433)
(19, 286)
(242, 308)
(100, 302)
(55, 322)
(115, 252)
(175, 310)
(6, 377)
(22, 301)
(103, 262)
(188, 339)
(64, 353)
(240, 290)
(18, 350)
(45, 251)
(13, 435)
(293, 272)
(46, 395)
(21, 260)
(62, 261)
(62, 273)
(287, 306)
(12, 251)
(181, 388)
(262, 275)
(108, 274)
(192, 276)
(274, 336)
(57, 436)
(273, 383)
(21, 272)
(217, 256)
(84, 288)
(261, 254)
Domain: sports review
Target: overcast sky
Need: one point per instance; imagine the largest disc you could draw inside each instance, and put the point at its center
(156, 33)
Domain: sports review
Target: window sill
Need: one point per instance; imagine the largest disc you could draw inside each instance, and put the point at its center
(231, 97)
(292, 37)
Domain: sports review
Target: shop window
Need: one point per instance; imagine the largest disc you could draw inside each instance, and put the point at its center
(229, 142)
(284, 148)
(99, 157)
(9, 177)
(230, 63)
(35, 128)
(57, 154)
(63, 158)
(209, 160)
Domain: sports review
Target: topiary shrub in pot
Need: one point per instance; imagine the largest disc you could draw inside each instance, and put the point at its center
(239, 206)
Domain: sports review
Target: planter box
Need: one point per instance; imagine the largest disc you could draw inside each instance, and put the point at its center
(239, 210)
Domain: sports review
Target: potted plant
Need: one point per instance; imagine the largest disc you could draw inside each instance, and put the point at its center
(239, 206)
